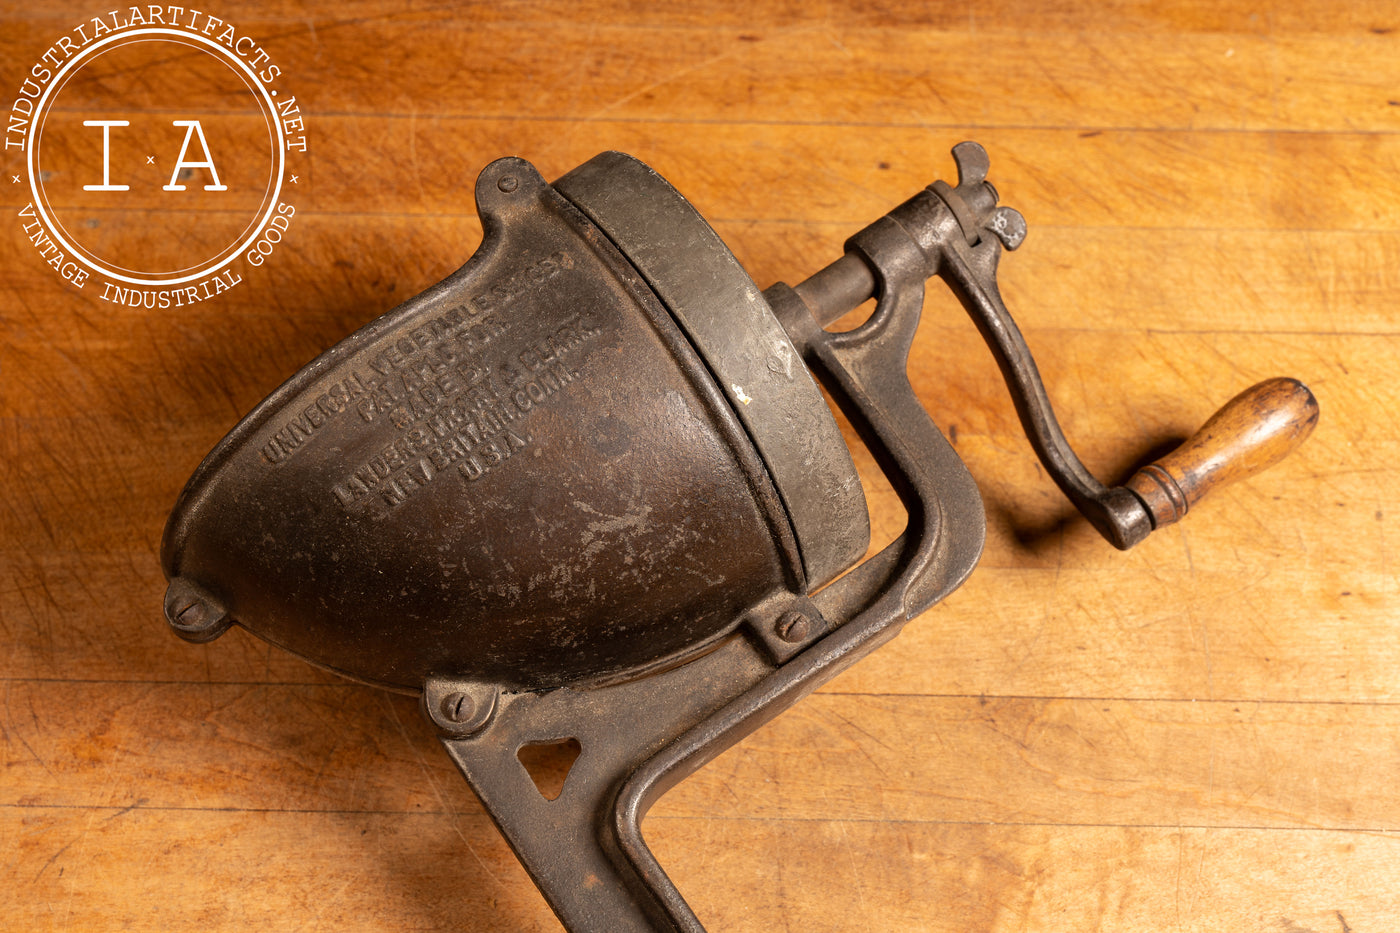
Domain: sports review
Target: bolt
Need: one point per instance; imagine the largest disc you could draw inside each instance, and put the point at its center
(508, 184)
(793, 627)
(458, 707)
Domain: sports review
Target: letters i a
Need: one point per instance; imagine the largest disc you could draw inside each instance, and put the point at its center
(192, 129)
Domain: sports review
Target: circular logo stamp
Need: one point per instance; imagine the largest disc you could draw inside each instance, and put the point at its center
(162, 153)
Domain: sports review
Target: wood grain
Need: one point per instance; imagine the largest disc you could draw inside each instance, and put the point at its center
(1199, 735)
(1250, 433)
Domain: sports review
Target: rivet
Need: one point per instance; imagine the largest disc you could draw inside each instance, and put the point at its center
(508, 184)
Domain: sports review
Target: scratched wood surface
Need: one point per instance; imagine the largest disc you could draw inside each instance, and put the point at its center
(1200, 735)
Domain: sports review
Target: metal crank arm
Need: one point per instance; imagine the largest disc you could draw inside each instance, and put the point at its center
(958, 234)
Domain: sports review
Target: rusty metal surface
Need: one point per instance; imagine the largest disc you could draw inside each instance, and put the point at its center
(481, 484)
(752, 359)
(540, 495)
(525, 495)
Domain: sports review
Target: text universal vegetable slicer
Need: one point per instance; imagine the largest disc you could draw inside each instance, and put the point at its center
(586, 489)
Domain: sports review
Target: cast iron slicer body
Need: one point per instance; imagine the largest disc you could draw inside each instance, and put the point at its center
(586, 489)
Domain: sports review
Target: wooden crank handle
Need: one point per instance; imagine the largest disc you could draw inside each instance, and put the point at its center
(1252, 432)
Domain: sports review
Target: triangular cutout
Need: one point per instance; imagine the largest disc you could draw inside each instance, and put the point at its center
(549, 763)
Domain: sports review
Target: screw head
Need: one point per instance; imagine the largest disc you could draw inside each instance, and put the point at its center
(193, 614)
(458, 707)
(508, 184)
(793, 627)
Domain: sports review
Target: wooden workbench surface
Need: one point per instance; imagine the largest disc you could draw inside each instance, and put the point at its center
(1200, 735)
